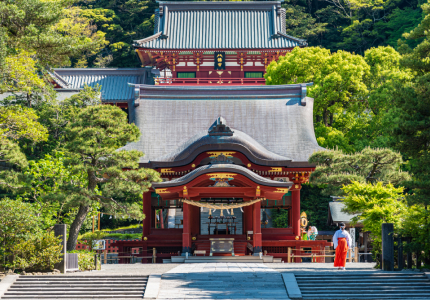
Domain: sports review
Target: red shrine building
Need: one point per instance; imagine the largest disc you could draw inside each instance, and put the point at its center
(231, 151)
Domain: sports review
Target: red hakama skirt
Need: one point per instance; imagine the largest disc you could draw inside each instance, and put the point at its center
(341, 251)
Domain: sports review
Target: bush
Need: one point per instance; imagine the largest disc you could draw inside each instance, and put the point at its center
(86, 260)
(38, 253)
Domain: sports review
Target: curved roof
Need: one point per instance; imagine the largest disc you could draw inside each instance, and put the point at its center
(205, 141)
(277, 118)
(221, 168)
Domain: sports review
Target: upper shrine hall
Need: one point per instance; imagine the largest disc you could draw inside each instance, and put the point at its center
(231, 150)
(209, 43)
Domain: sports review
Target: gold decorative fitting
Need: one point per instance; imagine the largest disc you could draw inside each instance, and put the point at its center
(248, 238)
(229, 72)
(210, 72)
(296, 186)
(257, 191)
(216, 154)
(220, 72)
(162, 191)
(169, 170)
(279, 190)
(249, 165)
(297, 237)
(221, 175)
(193, 166)
(275, 170)
(193, 238)
(145, 238)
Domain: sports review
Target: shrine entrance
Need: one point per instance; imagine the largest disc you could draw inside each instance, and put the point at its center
(212, 223)
(221, 201)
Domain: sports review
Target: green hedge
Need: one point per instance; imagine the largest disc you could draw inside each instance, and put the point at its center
(86, 260)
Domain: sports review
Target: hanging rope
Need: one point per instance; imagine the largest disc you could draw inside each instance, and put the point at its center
(221, 206)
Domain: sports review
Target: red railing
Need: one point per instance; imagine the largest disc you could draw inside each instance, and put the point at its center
(209, 81)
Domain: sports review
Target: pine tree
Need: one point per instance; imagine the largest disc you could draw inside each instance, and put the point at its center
(336, 169)
(113, 178)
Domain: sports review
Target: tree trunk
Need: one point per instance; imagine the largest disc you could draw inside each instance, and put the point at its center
(76, 226)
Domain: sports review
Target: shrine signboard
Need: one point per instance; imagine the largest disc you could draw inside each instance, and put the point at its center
(222, 245)
(219, 60)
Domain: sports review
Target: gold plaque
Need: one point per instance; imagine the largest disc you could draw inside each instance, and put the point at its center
(221, 175)
(214, 154)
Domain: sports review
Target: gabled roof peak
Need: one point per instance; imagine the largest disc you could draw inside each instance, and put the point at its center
(219, 127)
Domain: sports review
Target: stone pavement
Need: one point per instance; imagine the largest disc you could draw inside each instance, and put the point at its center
(222, 281)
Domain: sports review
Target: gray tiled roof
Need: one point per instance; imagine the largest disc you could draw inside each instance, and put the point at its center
(221, 168)
(220, 25)
(280, 118)
(113, 81)
(203, 138)
(337, 214)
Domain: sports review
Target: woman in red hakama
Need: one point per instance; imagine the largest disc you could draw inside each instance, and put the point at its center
(341, 242)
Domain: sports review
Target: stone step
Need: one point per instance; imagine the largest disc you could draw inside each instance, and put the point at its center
(367, 291)
(356, 297)
(364, 286)
(368, 280)
(78, 285)
(82, 281)
(34, 278)
(87, 288)
(342, 274)
(82, 296)
(367, 284)
(219, 261)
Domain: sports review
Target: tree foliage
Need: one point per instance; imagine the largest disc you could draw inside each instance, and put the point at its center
(339, 91)
(113, 178)
(375, 203)
(23, 243)
(336, 169)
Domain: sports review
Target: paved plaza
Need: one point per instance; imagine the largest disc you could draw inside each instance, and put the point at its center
(222, 281)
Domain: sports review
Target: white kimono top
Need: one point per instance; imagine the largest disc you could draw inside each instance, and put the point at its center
(341, 234)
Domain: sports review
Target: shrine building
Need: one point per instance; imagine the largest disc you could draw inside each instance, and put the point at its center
(232, 152)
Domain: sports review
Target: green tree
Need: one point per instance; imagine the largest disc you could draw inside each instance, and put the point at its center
(410, 129)
(122, 21)
(339, 91)
(375, 203)
(37, 35)
(336, 169)
(16, 124)
(40, 252)
(113, 178)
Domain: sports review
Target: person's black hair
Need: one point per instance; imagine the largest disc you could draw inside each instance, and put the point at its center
(341, 224)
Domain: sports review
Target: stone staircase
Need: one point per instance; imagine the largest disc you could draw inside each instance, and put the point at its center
(78, 287)
(364, 285)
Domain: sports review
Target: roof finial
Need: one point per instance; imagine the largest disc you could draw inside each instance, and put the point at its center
(219, 127)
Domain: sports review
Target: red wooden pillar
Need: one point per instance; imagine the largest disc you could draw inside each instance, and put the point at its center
(247, 214)
(295, 195)
(147, 211)
(195, 220)
(257, 242)
(186, 234)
